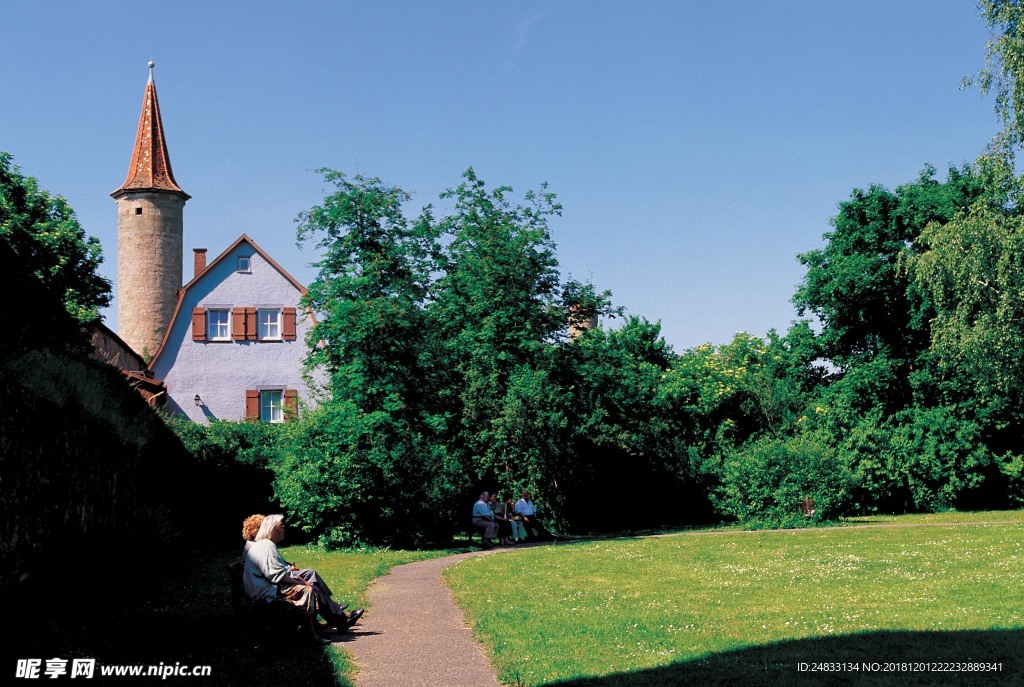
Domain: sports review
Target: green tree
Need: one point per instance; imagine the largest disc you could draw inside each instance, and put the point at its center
(876, 329)
(867, 304)
(1004, 67)
(369, 292)
(359, 468)
(47, 239)
(974, 272)
(495, 316)
(617, 375)
(627, 435)
(741, 390)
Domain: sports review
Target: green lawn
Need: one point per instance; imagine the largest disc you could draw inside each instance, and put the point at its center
(729, 607)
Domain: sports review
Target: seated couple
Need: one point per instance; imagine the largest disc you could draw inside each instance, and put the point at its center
(267, 576)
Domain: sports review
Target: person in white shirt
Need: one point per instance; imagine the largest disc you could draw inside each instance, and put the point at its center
(526, 509)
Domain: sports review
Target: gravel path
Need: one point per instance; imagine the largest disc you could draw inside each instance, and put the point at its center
(414, 634)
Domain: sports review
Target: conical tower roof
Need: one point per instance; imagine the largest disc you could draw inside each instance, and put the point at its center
(150, 168)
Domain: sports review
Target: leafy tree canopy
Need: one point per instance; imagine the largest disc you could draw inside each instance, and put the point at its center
(47, 239)
(1004, 67)
(855, 285)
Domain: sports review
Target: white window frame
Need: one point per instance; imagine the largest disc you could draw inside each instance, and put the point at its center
(211, 334)
(245, 264)
(269, 411)
(264, 330)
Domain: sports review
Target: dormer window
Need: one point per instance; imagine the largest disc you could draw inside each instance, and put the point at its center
(245, 264)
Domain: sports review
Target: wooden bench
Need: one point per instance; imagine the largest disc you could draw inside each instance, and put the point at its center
(277, 615)
(473, 531)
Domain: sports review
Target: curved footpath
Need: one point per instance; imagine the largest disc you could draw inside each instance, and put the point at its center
(414, 634)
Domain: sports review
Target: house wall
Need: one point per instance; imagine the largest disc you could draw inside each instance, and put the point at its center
(221, 372)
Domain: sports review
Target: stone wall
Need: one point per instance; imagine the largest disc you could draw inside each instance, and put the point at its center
(149, 266)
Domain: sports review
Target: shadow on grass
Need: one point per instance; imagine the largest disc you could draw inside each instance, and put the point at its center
(780, 664)
(185, 616)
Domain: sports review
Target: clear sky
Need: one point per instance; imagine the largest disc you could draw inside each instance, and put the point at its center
(697, 147)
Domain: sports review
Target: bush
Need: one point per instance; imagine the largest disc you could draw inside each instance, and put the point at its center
(225, 443)
(353, 479)
(232, 460)
(765, 483)
(942, 458)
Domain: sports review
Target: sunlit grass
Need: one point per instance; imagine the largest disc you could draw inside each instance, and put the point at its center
(951, 516)
(602, 608)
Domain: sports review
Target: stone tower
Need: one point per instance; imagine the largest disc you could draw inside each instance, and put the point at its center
(149, 235)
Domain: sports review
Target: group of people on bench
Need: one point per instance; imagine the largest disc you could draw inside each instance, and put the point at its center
(510, 522)
(268, 577)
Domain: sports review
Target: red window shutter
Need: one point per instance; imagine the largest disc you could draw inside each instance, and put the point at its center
(288, 328)
(199, 324)
(252, 404)
(291, 403)
(238, 324)
(250, 324)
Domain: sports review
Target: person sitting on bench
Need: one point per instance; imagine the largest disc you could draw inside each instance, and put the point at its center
(528, 512)
(251, 527)
(483, 520)
(267, 576)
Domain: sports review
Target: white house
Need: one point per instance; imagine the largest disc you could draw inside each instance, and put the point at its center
(230, 343)
(236, 341)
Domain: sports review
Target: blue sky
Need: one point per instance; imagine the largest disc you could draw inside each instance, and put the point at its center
(696, 147)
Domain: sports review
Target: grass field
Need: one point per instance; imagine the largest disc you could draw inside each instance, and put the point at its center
(731, 607)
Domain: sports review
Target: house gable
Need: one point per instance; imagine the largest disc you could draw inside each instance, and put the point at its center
(237, 328)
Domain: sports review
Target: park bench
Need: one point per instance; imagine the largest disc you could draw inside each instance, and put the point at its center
(278, 615)
(473, 532)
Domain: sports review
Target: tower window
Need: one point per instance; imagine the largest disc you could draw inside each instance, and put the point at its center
(138, 211)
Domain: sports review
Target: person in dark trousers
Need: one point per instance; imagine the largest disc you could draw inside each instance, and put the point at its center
(503, 517)
(483, 520)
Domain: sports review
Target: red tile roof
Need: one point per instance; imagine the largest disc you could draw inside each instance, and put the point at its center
(150, 168)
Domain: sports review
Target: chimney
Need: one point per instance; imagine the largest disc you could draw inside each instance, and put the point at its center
(199, 260)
